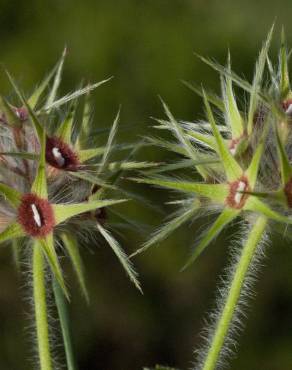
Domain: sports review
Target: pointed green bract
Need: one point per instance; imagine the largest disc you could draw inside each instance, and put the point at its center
(71, 246)
(214, 99)
(232, 168)
(64, 131)
(22, 155)
(286, 170)
(11, 117)
(179, 132)
(284, 72)
(76, 94)
(227, 215)
(253, 169)
(203, 138)
(39, 186)
(11, 195)
(49, 248)
(256, 205)
(123, 258)
(257, 81)
(38, 127)
(216, 192)
(109, 143)
(57, 79)
(63, 212)
(14, 230)
(86, 154)
(163, 232)
(233, 116)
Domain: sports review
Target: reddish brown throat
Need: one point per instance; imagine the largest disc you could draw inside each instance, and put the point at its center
(236, 198)
(36, 215)
(60, 155)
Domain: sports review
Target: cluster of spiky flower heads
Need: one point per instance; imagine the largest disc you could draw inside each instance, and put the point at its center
(54, 184)
(242, 155)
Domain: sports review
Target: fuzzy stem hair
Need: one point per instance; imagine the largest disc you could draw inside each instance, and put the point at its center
(40, 304)
(233, 296)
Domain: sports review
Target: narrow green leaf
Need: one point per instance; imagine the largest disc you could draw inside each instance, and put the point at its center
(86, 154)
(227, 215)
(65, 326)
(65, 211)
(11, 117)
(85, 130)
(216, 192)
(178, 219)
(123, 258)
(202, 138)
(11, 195)
(232, 168)
(72, 248)
(50, 252)
(14, 230)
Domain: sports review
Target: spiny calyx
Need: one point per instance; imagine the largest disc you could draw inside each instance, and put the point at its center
(36, 215)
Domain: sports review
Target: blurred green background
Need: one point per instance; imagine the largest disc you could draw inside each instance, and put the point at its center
(148, 46)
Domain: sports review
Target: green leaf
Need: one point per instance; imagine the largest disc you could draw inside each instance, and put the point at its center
(178, 219)
(213, 98)
(72, 248)
(123, 258)
(284, 70)
(50, 252)
(84, 130)
(227, 215)
(232, 168)
(14, 230)
(11, 195)
(64, 131)
(233, 116)
(202, 138)
(65, 211)
(257, 80)
(65, 326)
(183, 138)
(216, 192)
(57, 80)
(11, 117)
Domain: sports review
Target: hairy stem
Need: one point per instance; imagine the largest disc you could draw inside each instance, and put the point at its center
(233, 295)
(64, 321)
(39, 292)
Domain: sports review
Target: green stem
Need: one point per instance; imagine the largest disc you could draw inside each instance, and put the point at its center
(63, 316)
(233, 296)
(40, 305)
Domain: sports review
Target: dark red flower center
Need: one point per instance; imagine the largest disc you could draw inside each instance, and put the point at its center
(236, 197)
(36, 215)
(60, 155)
